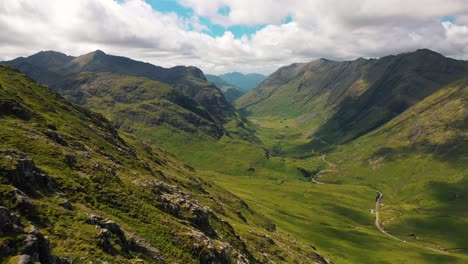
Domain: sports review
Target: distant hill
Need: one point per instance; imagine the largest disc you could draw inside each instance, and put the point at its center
(230, 91)
(244, 81)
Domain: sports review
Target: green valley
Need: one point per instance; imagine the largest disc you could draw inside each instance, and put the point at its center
(304, 156)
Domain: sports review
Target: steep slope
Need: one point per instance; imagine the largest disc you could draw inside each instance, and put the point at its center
(72, 189)
(245, 81)
(231, 92)
(190, 81)
(131, 102)
(339, 101)
(419, 161)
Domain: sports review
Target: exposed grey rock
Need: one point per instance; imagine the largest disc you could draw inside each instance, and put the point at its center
(31, 247)
(25, 259)
(56, 137)
(107, 226)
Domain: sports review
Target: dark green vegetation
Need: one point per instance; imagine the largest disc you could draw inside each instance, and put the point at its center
(396, 124)
(230, 91)
(246, 82)
(73, 189)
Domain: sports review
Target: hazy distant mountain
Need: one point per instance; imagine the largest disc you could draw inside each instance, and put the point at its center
(230, 91)
(245, 81)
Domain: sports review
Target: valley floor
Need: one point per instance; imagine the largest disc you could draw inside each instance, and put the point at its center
(339, 212)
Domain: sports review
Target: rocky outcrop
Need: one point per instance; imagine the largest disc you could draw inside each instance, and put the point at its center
(13, 108)
(24, 174)
(206, 243)
(183, 206)
(108, 227)
(29, 243)
(112, 234)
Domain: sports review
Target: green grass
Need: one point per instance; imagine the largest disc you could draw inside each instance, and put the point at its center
(112, 177)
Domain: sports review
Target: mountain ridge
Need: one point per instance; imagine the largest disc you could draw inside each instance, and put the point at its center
(189, 80)
(373, 91)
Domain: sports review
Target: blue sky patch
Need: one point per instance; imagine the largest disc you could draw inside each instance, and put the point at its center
(214, 30)
(448, 19)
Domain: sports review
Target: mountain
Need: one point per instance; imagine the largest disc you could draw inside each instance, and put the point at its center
(176, 109)
(74, 189)
(339, 101)
(245, 81)
(231, 92)
(55, 69)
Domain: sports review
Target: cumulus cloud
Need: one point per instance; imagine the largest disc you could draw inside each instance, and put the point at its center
(320, 28)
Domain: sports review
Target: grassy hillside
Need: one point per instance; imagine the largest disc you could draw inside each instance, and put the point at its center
(419, 161)
(73, 189)
(132, 102)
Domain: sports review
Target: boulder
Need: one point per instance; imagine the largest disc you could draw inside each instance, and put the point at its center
(25, 259)
(108, 227)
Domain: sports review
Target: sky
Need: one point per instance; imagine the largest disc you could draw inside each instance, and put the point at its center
(222, 36)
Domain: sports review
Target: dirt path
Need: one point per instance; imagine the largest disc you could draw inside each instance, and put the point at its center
(333, 168)
(333, 165)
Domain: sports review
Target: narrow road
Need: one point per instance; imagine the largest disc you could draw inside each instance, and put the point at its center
(378, 199)
(377, 222)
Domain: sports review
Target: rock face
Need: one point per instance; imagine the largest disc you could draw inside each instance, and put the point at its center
(181, 205)
(24, 174)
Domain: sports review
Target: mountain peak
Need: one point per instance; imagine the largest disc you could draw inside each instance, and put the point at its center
(99, 52)
(48, 53)
(423, 52)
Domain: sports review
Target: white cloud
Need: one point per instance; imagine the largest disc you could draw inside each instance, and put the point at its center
(333, 29)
